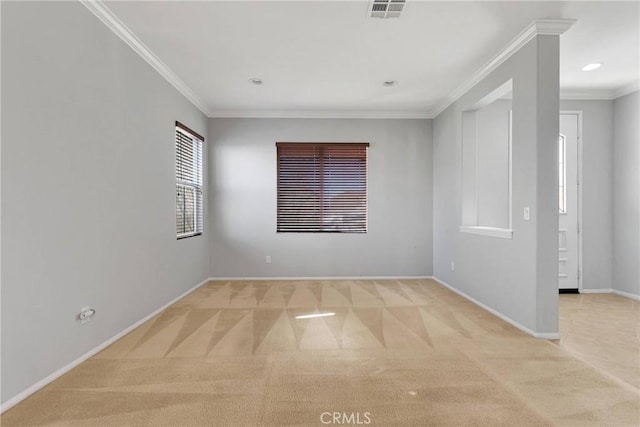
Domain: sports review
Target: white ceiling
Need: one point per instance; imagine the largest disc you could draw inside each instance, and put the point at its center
(329, 56)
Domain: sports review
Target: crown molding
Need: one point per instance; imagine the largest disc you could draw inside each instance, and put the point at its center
(540, 27)
(552, 27)
(100, 10)
(626, 90)
(599, 94)
(318, 114)
(587, 94)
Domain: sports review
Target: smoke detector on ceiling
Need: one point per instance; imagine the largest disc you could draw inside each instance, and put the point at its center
(386, 8)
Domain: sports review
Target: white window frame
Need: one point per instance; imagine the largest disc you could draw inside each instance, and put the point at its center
(195, 186)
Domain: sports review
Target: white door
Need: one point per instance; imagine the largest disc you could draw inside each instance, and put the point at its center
(568, 259)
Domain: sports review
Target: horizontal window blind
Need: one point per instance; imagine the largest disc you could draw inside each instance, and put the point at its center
(322, 187)
(189, 209)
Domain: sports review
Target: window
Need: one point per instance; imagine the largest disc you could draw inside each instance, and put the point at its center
(322, 187)
(562, 174)
(188, 182)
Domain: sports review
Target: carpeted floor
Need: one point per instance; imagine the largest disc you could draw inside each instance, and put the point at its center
(604, 330)
(405, 352)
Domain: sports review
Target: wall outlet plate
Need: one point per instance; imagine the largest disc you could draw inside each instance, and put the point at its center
(86, 314)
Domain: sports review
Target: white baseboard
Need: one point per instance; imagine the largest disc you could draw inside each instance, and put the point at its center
(626, 294)
(596, 291)
(543, 335)
(546, 335)
(219, 279)
(611, 291)
(50, 378)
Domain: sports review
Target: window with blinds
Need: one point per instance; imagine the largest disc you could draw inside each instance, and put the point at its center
(322, 187)
(189, 212)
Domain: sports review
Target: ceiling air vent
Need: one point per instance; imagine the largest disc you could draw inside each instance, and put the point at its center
(386, 8)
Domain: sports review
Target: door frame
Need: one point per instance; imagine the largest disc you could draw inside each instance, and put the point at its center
(579, 192)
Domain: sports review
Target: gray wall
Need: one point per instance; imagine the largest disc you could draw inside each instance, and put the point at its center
(597, 198)
(626, 194)
(243, 202)
(88, 170)
(516, 277)
(493, 156)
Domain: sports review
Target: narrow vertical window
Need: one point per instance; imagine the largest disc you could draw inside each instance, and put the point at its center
(562, 174)
(322, 188)
(189, 210)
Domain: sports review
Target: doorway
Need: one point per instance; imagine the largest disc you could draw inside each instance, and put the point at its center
(569, 202)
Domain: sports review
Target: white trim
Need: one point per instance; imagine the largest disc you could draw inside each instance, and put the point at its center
(99, 9)
(543, 335)
(580, 210)
(588, 94)
(597, 291)
(626, 294)
(511, 171)
(626, 90)
(539, 27)
(611, 291)
(52, 377)
(552, 27)
(476, 171)
(579, 194)
(547, 335)
(598, 94)
(230, 279)
(503, 233)
(319, 114)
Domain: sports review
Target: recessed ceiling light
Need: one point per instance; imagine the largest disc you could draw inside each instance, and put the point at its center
(592, 66)
(389, 83)
(256, 81)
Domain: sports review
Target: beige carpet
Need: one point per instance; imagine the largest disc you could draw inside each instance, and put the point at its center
(405, 352)
(604, 330)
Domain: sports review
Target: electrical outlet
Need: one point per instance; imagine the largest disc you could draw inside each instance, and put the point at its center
(267, 259)
(453, 266)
